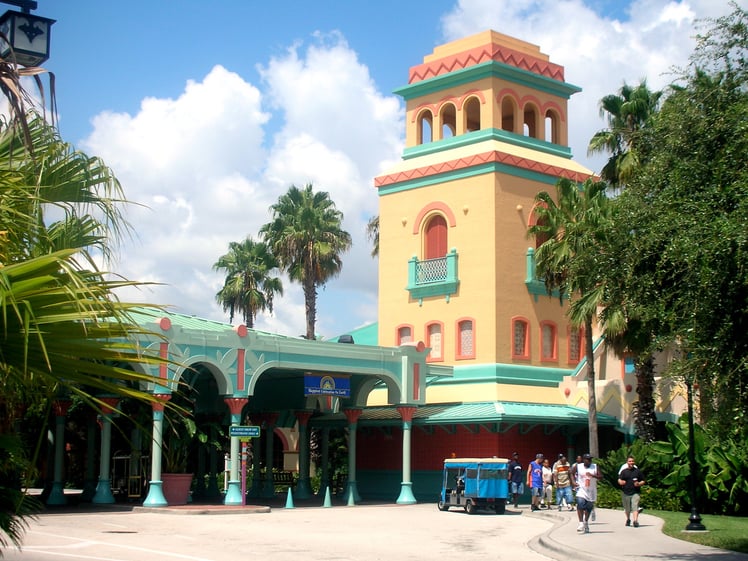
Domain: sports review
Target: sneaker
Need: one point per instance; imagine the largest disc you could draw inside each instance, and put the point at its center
(586, 528)
(580, 528)
(628, 522)
(533, 508)
(559, 508)
(592, 515)
(516, 505)
(636, 524)
(640, 509)
(571, 509)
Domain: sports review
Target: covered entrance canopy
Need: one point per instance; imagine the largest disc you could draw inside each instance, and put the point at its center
(281, 380)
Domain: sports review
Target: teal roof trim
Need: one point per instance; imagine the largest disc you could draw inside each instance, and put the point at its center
(463, 173)
(477, 412)
(517, 374)
(481, 136)
(490, 69)
(364, 335)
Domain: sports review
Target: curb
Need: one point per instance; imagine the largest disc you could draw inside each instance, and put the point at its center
(203, 510)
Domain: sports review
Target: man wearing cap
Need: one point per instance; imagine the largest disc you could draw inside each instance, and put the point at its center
(514, 475)
(586, 479)
(563, 482)
(535, 481)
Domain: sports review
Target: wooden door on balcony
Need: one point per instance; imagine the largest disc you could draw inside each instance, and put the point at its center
(436, 237)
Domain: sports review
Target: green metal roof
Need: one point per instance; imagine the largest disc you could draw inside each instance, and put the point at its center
(478, 412)
(365, 335)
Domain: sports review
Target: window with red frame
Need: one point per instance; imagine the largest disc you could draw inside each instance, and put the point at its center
(465, 339)
(434, 338)
(520, 338)
(548, 341)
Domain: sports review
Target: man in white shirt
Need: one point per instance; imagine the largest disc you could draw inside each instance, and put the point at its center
(587, 476)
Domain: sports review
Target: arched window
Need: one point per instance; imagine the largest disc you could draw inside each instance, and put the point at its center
(520, 338)
(404, 334)
(435, 237)
(425, 123)
(508, 109)
(576, 342)
(471, 109)
(548, 341)
(465, 339)
(434, 338)
(552, 131)
(530, 121)
(448, 118)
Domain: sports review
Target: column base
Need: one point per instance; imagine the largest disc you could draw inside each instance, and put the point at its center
(57, 495)
(234, 494)
(103, 495)
(303, 489)
(406, 494)
(351, 488)
(155, 496)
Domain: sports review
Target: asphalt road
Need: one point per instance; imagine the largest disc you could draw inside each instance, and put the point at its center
(361, 533)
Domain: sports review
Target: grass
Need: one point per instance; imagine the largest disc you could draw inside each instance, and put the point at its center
(726, 532)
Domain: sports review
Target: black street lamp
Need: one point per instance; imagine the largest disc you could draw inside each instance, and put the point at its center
(24, 37)
(694, 521)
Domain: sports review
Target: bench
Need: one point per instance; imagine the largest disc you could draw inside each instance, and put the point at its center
(282, 480)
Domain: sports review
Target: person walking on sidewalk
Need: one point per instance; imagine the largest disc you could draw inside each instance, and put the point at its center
(547, 498)
(516, 487)
(587, 476)
(563, 482)
(631, 480)
(535, 481)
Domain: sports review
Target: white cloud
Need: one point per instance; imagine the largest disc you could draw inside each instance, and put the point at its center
(598, 52)
(207, 175)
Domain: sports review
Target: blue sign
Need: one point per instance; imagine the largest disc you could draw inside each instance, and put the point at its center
(249, 431)
(326, 384)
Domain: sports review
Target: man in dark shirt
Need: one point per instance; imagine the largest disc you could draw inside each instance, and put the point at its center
(514, 475)
(631, 479)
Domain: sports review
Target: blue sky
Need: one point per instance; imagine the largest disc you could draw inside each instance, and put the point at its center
(208, 111)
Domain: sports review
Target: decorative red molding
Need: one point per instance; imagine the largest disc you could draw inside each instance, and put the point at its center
(352, 415)
(61, 407)
(163, 398)
(485, 53)
(235, 404)
(492, 156)
(303, 417)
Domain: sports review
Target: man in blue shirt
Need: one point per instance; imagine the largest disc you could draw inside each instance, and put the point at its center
(535, 481)
(514, 475)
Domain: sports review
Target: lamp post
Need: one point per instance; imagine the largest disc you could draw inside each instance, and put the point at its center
(24, 37)
(694, 520)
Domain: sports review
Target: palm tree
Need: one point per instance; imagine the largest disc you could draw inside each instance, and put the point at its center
(62, 327)
(569, 258)
(372, 232)
(249, 287)
(306, 236)
(628, 112)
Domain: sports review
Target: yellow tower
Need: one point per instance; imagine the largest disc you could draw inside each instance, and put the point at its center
(487, 130)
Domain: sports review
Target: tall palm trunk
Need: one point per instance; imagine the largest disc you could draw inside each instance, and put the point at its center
(645, 418)
(591, 398)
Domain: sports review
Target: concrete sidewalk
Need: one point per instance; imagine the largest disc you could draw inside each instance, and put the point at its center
(610, 540)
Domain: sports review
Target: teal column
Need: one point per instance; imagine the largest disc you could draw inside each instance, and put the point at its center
(303, 487)
(103, 493)
(57, 493)
(268, 489)
(352, 489)
(406, 487)
(234, 491)
(155, 497)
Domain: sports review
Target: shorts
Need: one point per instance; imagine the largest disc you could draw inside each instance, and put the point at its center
(584, 504)
(536, 491)
(630, 502)
(517, 488)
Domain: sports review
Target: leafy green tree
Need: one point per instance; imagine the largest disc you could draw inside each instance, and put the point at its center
(569, 260)
(250, 285)
(306, 236)
(685, 214)
(628, 112)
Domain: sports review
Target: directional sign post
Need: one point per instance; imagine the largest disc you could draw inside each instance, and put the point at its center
(244, 433)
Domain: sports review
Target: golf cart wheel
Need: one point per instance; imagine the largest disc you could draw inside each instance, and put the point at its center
(442, 506)
(470, 507)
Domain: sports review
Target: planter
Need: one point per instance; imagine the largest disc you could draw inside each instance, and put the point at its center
(176, 487)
